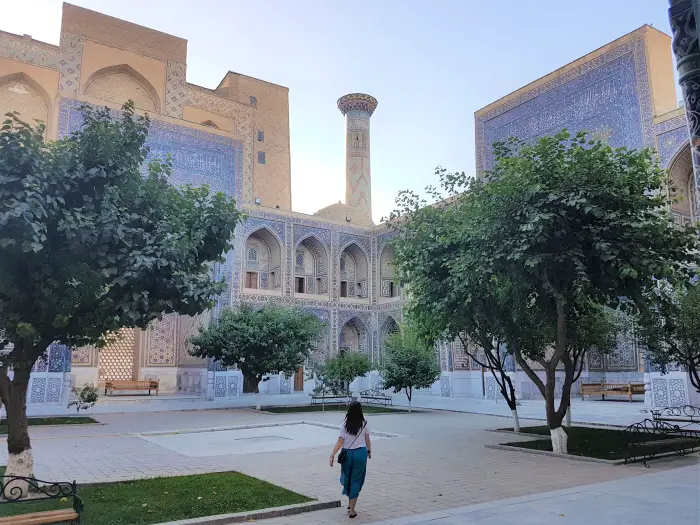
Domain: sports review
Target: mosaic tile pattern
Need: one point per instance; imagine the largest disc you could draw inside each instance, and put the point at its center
(676, 392)
(609, 94)
(53, 392)
(30, 52)
(162, 333)
(38, 390)
(670, 143)
(175, 89)
(660, 392)
(116, 359)
(220, 386)
(70, 63)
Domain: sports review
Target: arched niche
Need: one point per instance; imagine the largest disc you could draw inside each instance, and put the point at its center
(389, 327)
(682, 191)
(353, 273)
(262, 262)
(311, 267)
(121, 83)
(353, 337)
(20, 93)
(389, 287)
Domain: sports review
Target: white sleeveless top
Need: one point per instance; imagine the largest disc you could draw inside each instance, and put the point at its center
(351, 441)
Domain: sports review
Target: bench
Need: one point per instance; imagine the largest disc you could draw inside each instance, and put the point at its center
(648, 438)
(682, 414)
(151, 384)
(18, 489)
(330, 398)
(376, 397)
(611, 389)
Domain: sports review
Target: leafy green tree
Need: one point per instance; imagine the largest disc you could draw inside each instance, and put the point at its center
(259, 342)
(670, 327)
(89, 244)
(343, 369)
(410, 362)
(565, 226)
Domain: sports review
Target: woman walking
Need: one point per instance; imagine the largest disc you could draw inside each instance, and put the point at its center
(356, 448)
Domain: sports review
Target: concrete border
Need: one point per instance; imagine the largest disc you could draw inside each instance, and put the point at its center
(246, 427)
(64, 425)
(253, 515)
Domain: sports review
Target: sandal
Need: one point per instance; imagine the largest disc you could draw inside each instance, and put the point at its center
(352, 515)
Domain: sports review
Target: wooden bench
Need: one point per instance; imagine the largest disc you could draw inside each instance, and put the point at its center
(611, 389)
(682, 414)
(330, 398)
(643, 440)
(151, 384)
(17, 489)
(377, 397)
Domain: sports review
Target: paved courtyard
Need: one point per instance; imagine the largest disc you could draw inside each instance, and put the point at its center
(437, 462)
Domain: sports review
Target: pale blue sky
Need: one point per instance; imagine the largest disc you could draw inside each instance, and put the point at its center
(430, 64)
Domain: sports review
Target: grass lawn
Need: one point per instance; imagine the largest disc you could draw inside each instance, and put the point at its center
(367, 409)
(38, 421)
(601, 443)
(142, 502)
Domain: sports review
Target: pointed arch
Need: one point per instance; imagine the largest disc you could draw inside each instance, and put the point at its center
(353, 336)
(311, 266)
(389, 287)
(262, 261)
(353, 272)
(120, 83)
(681, 186)
(21, 93)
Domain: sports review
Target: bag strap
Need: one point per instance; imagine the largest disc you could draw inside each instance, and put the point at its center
(358, 434)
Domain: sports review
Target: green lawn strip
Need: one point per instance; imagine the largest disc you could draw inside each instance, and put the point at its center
(41, 421)
(601, 443)
(147, 501)
(367, 409)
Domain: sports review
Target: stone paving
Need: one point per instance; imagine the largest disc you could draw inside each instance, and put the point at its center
(438, 462)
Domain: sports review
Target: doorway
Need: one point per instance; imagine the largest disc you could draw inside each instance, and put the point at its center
(299, 380)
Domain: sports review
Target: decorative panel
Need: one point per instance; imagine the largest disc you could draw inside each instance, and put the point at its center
(490, 384)
(607, 96)
(676, 392)
(161, 335)
(38, 390)
(220, 386)
(116, 359)
(660, 392)
(53, 392)
(175, 89)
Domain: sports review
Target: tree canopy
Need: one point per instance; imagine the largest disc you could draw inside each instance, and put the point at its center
(272, 339)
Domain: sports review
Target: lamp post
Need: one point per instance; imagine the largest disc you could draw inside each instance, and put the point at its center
(684, 15)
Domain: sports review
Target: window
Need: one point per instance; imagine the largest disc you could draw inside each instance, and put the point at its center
(251, 280)
(299, 284)
(318, 286)
(261, 157)
(300, 258)
(273, 278)
(342, 264)
(343, 288)
(252, 254)
(261, 136)
(358, 289)
(393, 289)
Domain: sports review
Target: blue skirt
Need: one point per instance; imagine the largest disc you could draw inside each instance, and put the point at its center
(352, 472)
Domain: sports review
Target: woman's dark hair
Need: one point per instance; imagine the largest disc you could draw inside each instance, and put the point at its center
(354, 420)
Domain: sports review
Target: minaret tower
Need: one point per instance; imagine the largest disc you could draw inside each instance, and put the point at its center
(357, 109)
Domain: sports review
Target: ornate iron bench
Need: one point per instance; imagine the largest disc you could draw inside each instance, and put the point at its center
(18, 489)
(377, 397)
(330, 398)
(647, 439)
(683, 414)
(611, 389)
(150, 384)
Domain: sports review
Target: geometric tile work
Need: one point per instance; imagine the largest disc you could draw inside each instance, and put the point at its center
(53, 392)
(659, 392)
(30, 52)
(84, 356)
(670, 142)
(116, 359)
(676, 392)
(70, 63)
(161, 350)
(175, 89)
(608, 95)
(38, 393)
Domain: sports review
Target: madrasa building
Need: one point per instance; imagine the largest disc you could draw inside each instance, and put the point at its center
(335, 263)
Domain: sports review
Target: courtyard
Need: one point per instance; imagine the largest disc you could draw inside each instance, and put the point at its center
(425, 462)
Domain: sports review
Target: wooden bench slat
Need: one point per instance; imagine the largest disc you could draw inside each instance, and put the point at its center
(41, 518)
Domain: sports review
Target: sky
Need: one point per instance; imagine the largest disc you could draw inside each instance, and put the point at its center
(430, 64)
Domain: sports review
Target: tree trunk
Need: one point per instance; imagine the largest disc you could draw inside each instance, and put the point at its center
(409, 394)
(257, 394)
(516, 420)
(554, 417)
(509, 396)
(559, 440)
(20, 461)
(567, 421)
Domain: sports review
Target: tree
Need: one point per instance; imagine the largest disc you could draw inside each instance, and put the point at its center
(409, 363)
(89, 244)
(670, 327)
(345, 368)
(259, 342)
(86, 397)
(581, 225)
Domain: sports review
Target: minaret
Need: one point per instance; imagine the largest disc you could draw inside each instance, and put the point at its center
(357, 109)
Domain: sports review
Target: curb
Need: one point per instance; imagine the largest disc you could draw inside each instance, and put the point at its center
(274, 512)
(555, 455)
